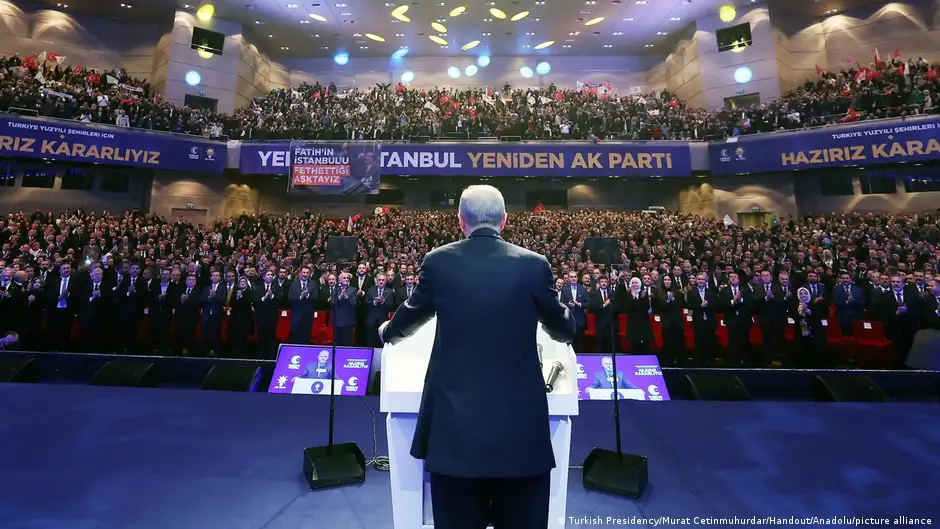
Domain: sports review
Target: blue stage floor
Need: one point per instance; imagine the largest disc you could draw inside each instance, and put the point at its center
(81, 457)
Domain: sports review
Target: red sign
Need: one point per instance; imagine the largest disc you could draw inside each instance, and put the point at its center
(319, 175)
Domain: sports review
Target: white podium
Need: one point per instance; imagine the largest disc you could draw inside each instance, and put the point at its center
(404, 366)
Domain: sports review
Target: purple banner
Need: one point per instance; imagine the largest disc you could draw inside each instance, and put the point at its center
(638, 378)
(305, 370)
(264, 158)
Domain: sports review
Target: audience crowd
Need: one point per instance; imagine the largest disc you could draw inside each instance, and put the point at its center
(885, 88)
(86, 281)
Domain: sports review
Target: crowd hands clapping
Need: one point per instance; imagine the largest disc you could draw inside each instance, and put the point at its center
(119, 268)
(889, 88)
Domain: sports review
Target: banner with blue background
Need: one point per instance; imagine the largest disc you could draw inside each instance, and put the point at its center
(912, 140)
(75, 141)
(498, 159)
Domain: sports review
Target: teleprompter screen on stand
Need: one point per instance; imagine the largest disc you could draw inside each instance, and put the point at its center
(305, 369)
(638, 377)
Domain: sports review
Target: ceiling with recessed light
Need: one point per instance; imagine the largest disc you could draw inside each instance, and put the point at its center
(379, 28)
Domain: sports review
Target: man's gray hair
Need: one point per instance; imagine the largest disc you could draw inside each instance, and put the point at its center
(482, 206)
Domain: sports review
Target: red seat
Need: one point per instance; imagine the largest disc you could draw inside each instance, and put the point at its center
(688, 332)
(839, 347)
(756, 337)
(721, 331)
(873, 349)
(590, 333)
(657, 324)
(622, 322)
(789, 332)
(282, 330)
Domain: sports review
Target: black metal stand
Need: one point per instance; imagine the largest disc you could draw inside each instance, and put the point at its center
(344, 463)
(603, 470)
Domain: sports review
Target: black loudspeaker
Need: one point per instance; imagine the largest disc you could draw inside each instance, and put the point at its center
(345, 466)
(15, 369)
(719, 387)
(126, 373)
(621, 474)
(341, 249)
(603, 250)
(847, 388)
(231, 378)
(376, 388)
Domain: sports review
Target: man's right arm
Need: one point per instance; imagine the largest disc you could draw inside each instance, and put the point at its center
(554, 316)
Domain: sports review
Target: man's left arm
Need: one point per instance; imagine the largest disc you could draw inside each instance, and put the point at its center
(414, 312)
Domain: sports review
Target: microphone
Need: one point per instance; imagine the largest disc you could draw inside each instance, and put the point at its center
(557, 369)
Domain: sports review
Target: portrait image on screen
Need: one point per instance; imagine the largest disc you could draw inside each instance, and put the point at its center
(638, 378)
(734, 38)
(209, 41)
(306, 370)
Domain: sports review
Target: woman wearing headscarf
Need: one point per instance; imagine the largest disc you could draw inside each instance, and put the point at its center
(809, 337)
(638, 306)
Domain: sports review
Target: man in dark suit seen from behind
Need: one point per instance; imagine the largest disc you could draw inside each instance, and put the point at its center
(575, 297)
(487, 461)
(302, 298)
(343, 306)
(379, 303)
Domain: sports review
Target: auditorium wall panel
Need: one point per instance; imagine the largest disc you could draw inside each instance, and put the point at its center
(800, 47)
(56, 199)
(84, 40)
(716, 197)
(911, 27)
(625, 73)
(683, 68)
(258, 73)
(811, 200)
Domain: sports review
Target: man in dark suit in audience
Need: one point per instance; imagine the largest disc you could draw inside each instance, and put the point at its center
(771, 306)
(344, 311)
(737, 305)
(379, 302)
(130, 300)
(302, 298)
(186, 317)
(702, 302)
(213, 310)
(932, 305)
(901, 313)
(849, 300)
(488, 462)
(60, 307)
(575, 297)
(605, 319)
(267, 303)
(403, 294)
(97, 308)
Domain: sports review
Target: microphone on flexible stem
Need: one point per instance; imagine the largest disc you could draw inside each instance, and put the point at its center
(557, 369)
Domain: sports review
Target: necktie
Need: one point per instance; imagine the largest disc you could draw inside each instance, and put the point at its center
(96, 287)
(734, 292)
(603, 296)
(409, 292)
(380, 292)
(228, 294)
(303, 285)
(267, 288)
(900, 301)
(189, 291)
(768, 288)
(65, 286)
(848, 290)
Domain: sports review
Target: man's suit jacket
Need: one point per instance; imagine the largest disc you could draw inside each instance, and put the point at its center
(53, 289)
(378, 313)
(818, 308)
(931, 305)
(344, 310)
(702, 316)
(603, 316)
(213, 303)
(464, 428)
(303, 308)
(582, 297)
(737, 313)
(266, 310)
(772, 312)
(847, 312)
(602, 381)
(889, 307)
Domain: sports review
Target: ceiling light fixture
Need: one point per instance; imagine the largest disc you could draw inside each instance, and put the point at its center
(438, 27)
(519, 16)
(675, 19)
(204, 13)
(457, 11)
(498, 13)
(374, 37)
(544, 45)
(291, 6)
(438, 40)
(399, 13)
(593, 21)
(470, 45)
(618, 33)
(304, 21)
(318, 18)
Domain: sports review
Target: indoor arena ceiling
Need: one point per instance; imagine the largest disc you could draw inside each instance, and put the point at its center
(368, 28)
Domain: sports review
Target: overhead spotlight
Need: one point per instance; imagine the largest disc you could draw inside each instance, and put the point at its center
(374, 37)
(471, 70)
(407, 77)
(470, 45)
(457, 11)
(526, 72)
(497, 13)
(727, 13)
(453, 72)
(399, 13)
(400, 54)
(193, 78)
(438, 40)
(543, 68)
(341, 59)
(544, 45)
(205, 12)
(438, 27)
(318, 18)
(519, 16)
(595, 20)
(483, 61)
(205, 54)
